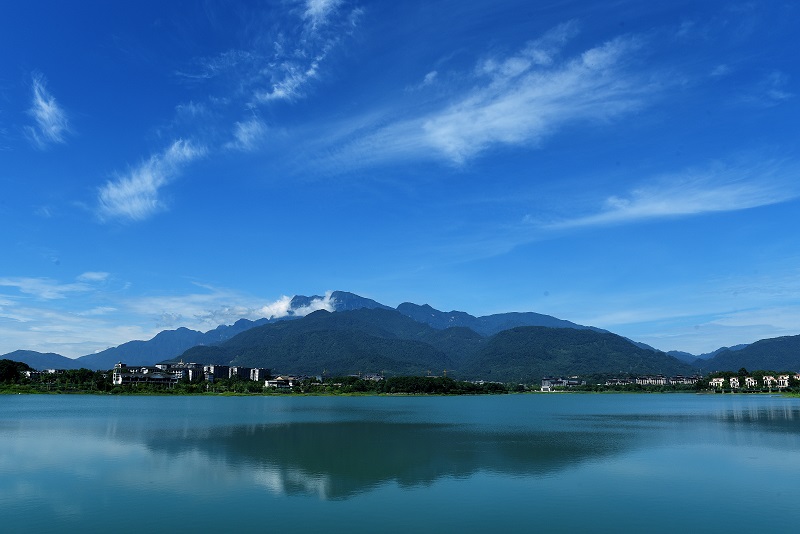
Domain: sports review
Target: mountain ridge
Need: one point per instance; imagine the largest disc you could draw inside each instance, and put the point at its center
(169, 344)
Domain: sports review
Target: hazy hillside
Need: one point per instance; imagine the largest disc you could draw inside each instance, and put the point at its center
(529, 353)
(363, 340)
(367, 336)
(41, 360)
(486, 325)
(775, 354)
(372, 340)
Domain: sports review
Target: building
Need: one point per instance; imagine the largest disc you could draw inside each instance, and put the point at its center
(281, 382)
(258, 374)
(240, 372)
(182, 371)
(123, 375)
(548, 383)
(750, 382)
(717, 383)
(619, 381)
(215, 371)
(769, 381)
(783, 381)
(687, 380)
(734, 382)
(659, 380)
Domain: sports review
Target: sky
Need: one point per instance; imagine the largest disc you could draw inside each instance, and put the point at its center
(630, 165)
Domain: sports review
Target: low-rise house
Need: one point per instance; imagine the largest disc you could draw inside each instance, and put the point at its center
(750, 382)
(372, 378)
(734, 382)
(769, 381)
(717, 383)
(659, 380)
(549, 383)
(680, 379)
(783, 381)
(619, 381)
(281, 382)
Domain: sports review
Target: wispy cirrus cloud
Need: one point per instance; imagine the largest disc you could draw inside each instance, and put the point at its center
(248, 135)
(48, 289)
(519, 99)
(318, 11)
(297, 63)
(136, 195)
(51, 124)
(275, 67)
(718, 188)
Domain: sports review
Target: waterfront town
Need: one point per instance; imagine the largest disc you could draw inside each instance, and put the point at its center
(172, 373)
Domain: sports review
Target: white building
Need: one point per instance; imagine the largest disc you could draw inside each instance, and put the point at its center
(717, 382)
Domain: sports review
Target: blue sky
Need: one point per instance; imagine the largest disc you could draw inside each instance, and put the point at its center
(628, 165)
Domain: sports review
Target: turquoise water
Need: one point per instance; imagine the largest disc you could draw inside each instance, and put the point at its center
(602, 463)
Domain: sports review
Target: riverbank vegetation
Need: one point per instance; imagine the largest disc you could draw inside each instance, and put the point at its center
(17, 377)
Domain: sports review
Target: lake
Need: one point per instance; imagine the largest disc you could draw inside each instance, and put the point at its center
(560, 462)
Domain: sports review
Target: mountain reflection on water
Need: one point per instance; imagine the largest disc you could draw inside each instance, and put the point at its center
(468, 464)
(338, 460)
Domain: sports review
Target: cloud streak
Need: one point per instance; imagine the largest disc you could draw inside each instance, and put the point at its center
(318, 11)
(694, 192)
(518, 100)
(47, 289)
(136, 195)
(51, 124)
(248, 135)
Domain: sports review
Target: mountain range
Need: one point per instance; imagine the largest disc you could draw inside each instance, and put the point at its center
(362, 335)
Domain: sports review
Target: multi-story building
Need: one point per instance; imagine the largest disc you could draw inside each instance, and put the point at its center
(215, 371)
(259, 374)
(241, 372)
(123, 374)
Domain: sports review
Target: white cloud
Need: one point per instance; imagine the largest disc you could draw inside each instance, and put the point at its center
(771, 90)
(99, 310)
(211, 67)
(282, 307)
(45, 288)
(517, 100)
(51, 122)
(318, 11)
(716, 189)
(135, 196)
(292, 79)
(248, 135)
(93, 276)
(78, 319)
(720, 70)
(774, 87)
(202, 311)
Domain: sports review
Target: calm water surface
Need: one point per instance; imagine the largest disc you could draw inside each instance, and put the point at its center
(602, 463)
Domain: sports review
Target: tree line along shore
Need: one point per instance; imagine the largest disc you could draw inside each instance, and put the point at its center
(18, 377)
